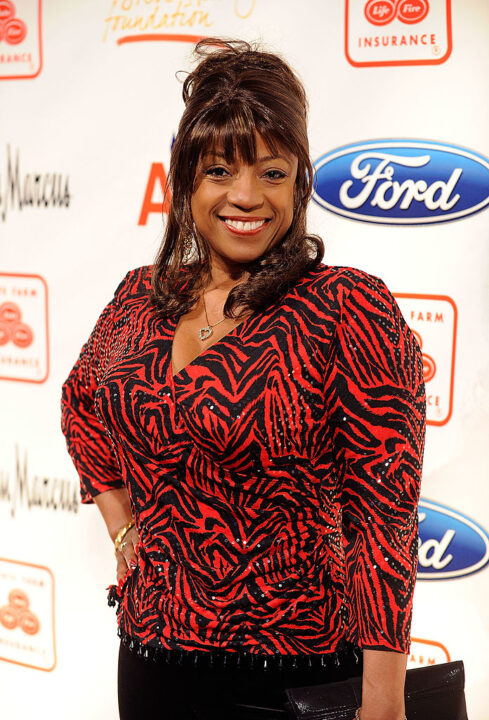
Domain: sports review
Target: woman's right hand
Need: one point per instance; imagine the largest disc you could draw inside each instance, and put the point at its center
(126, 554)
(115, 507)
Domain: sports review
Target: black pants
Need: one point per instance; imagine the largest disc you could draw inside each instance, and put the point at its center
(160, 691)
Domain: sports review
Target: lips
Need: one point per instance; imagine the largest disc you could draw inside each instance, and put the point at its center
(244, 226)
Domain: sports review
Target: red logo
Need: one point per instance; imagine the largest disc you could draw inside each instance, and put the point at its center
(12, 29)
(429, 365)
(433, 320)
(27, 633)
(17, 613)
(427, 652)
(24, 339)
(157, 177)
(382, 12)
(20, 39)
(11, 327)
(397, 32)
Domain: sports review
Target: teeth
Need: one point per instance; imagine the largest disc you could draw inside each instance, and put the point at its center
(244, 225)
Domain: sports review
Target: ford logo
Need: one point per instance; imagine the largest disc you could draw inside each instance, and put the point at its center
(450, 544)
(402, 182)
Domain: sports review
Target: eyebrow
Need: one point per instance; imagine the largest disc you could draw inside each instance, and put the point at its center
(265, 158)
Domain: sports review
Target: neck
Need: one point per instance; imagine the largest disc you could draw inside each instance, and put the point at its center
(225, 277)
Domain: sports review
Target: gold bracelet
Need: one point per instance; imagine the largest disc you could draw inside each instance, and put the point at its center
(357, 715)
(121, 533)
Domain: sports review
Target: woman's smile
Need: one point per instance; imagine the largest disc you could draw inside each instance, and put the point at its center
(244, 225)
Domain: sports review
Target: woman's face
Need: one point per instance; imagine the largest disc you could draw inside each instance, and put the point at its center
(242, 210)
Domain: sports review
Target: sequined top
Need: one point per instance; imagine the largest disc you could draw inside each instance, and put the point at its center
(273, 481)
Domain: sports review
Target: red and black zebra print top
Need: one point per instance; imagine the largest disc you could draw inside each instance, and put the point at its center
(274, 481)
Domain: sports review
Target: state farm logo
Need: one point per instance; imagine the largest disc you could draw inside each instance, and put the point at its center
(427, 652)
(24, 345)
(397, 32)
(20, 39)
(429, 364)
(402, 182)
(27, 614)
(451, 545)
(433, 319)
(382, 12)
(12, 29)
(17, 613)
(12, 329)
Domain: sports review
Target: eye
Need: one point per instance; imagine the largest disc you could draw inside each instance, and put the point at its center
(275, 175)
(216, 171)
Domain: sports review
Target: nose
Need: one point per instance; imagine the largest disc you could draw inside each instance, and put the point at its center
(244, 192)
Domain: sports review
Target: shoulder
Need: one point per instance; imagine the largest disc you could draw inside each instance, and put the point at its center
(136, 283)
(338, 283)
(356, 298)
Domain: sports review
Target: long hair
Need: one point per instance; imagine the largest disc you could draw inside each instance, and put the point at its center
(234, 92)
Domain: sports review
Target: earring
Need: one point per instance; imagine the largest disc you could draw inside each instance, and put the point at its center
(187, 248)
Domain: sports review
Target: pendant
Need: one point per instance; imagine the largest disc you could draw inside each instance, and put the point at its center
(205, 332)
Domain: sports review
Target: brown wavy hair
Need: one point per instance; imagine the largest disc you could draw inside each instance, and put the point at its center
(235, 90)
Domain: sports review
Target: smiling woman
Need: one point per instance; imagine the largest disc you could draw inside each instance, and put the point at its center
(250, 423)
(241, 155)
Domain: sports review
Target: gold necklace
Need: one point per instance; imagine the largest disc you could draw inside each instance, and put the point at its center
(206, 331)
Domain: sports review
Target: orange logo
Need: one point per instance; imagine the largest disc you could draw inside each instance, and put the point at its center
(12, 29)
(382, 12)
(397, 32)
(27, 619)
(427, 652)
(433, 319)
(134, 21)
(17, 613)
(429, 365)
(161, 204)
(24, 344)
(20, 39)
(11, 327)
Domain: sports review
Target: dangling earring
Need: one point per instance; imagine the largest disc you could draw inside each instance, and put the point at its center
(187, 248)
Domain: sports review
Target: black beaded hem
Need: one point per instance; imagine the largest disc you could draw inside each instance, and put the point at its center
(241, 659)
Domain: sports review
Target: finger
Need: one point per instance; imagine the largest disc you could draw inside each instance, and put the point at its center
(121, 566)
(126, 555)
(127, 552)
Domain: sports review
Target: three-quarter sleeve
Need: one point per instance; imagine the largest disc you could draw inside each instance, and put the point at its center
(378, 423)
(87, 440)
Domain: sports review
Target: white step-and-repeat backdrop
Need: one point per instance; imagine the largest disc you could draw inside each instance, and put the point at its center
(399, 129)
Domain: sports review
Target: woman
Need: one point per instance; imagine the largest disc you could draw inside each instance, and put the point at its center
(250, 423)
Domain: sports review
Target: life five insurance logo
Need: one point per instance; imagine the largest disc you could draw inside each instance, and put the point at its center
(451, 545)
(397, 32)
(402, 182)
(20, 39)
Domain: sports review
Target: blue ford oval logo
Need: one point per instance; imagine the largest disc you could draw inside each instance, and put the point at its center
(402, 182)
(450, 544)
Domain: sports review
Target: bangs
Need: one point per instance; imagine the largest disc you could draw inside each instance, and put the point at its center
(230, 129)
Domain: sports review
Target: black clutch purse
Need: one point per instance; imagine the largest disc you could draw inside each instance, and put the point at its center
(435, 692)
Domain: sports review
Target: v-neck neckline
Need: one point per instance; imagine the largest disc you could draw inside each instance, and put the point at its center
(174, 377)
